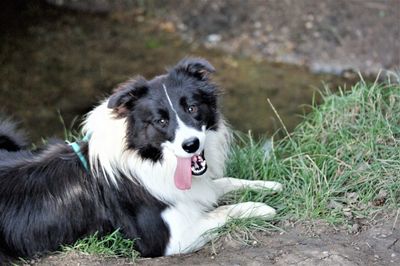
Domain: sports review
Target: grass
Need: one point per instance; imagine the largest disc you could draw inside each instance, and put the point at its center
(113, 245)
(340, 164)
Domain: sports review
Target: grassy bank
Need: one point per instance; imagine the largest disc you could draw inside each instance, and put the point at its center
(341, 164)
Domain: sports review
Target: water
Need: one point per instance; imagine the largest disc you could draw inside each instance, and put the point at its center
(61, 64)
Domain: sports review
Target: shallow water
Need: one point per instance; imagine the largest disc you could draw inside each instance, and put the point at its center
(63, 63)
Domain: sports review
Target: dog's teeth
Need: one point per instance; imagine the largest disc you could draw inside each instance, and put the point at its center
(199, 165)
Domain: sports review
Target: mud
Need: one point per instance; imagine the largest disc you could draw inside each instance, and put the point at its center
(316, 243)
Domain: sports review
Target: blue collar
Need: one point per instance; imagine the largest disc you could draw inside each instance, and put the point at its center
(77, 149)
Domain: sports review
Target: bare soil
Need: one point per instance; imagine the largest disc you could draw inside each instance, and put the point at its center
(327, 36)
(316, 243)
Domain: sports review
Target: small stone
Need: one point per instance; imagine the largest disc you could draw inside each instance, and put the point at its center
(309, 25)
(181, 27)
(257, 24)
(214, 38)
(355, 228)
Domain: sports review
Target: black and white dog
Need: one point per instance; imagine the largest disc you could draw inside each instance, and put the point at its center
(152, 167)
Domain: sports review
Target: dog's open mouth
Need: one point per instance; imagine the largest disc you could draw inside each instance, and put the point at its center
(199, 164)
(186, 167)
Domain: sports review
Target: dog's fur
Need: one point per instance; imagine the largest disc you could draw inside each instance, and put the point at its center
(48, 198)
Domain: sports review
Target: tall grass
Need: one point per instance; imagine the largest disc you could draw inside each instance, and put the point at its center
(342, 162)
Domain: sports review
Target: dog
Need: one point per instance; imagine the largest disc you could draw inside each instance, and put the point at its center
(151, 165)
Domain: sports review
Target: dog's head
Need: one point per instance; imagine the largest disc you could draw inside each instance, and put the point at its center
(170, 113)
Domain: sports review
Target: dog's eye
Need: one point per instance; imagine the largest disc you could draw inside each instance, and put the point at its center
(192, 109)
(162, 122)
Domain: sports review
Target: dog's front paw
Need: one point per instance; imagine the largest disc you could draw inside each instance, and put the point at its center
(271, 185)
(251, 209)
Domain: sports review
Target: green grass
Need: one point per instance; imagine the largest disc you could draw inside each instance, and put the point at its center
(113, 245)
(340, 164)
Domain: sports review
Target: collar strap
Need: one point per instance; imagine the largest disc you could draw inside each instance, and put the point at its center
(77, 149)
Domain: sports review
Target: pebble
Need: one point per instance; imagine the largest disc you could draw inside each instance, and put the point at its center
(257, 24)
(355, 228)
(214, 38)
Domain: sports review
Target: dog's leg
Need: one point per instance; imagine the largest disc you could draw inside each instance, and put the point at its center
(188, 237)
(228, 184)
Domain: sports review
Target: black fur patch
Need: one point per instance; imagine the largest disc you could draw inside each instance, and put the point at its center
(47, 199)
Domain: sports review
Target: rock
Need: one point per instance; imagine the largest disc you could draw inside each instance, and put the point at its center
(214, 38)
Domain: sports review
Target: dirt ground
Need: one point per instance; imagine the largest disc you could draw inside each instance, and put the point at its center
(301, 244)
(326, 36)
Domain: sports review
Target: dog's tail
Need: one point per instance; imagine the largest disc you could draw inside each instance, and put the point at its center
(11, 138)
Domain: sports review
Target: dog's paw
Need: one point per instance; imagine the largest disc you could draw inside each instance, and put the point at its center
(251, 209)
(271, 185)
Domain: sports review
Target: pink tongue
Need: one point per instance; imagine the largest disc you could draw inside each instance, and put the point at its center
(183, 173)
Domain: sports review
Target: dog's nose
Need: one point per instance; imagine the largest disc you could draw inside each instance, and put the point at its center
(191, 145)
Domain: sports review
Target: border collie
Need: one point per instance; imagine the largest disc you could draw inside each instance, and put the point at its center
(151, 166)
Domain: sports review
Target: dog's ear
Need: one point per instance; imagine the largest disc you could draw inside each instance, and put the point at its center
(197, 67)
(125, 95)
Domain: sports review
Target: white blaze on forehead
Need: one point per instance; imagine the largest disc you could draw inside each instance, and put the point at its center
(169, 99)
(183, 132)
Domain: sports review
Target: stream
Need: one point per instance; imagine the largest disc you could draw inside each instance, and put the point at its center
(57, 64)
